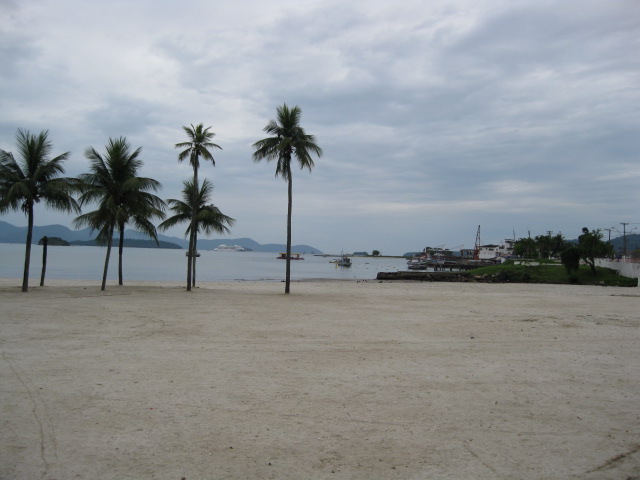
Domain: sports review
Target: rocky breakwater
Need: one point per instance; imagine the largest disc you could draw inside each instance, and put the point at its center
(427, 276)
(501, 277)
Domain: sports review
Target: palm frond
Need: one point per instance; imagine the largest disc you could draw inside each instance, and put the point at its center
(289, 139)
(123, 197)
(209, 219)
(199, 145)
(35, 176)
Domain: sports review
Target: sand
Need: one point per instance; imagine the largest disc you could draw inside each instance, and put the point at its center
(339, 380)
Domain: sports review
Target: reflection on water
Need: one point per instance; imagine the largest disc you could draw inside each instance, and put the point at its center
(152, 264)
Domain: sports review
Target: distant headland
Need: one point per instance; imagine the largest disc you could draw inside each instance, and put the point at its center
(12, 234)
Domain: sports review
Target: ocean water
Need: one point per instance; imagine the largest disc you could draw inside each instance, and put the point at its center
(158, 265)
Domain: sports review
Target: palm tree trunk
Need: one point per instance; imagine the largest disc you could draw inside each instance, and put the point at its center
(45, 242)
(189, 261)
(106, 261)
(289, 211)
(191, 252)
(120, 251)
(195, 258)
(27, 253)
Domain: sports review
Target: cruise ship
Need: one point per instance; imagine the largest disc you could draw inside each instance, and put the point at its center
(229, 248)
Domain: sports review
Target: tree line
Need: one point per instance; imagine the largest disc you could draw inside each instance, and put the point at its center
(122, 197)
(590, 245)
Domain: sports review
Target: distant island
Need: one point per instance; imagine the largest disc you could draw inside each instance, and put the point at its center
(59, 242)
(85, 237)
(129, 242)
(55, 242)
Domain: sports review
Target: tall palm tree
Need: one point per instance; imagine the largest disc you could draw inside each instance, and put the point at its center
(34, 177)
(122, 196)
(288, 139)
(198, 146)
(209, 218)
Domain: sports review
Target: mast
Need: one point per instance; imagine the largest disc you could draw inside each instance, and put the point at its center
(476, 250)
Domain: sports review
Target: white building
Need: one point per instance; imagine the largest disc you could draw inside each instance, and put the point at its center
(491, 252)
(488, 252)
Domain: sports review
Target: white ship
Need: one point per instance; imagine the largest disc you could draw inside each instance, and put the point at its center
(229, 248)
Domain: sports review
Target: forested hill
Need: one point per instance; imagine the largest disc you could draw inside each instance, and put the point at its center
(12, 234)
(633, 243)
(128, 242)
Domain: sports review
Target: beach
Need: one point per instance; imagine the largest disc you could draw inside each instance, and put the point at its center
(340, 379)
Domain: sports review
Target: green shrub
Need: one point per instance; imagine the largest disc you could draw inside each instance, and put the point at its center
(571, 259)
(555, 274)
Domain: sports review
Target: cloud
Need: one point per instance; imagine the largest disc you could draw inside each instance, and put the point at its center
(434, 117)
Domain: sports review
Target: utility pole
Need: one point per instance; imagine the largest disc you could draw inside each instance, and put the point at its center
(608, 230)
(624, 238)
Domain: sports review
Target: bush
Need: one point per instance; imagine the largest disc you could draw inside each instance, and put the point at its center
(570, 258)
(548, 273)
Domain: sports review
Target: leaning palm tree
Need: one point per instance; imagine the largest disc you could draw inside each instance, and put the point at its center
(209, 218)
(122, 196)
(288, 140)
(34, 177)
(198, 146)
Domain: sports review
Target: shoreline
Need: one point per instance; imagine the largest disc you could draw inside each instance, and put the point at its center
(75, 282)
(34, 283)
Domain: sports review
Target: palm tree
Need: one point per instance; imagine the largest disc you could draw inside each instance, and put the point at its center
(209, 218)
(288, 139)
(198, 146)
(122, 197)
(31, 179)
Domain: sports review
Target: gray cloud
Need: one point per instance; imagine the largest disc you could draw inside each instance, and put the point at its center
(433, 118)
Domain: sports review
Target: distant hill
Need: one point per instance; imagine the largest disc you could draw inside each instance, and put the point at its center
(210, 244)
(633, 243)
(12, 234)
(128, 242)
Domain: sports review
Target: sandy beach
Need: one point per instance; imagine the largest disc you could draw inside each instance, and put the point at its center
(339, 380)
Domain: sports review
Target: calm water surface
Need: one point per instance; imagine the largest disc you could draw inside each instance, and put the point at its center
(163, 265)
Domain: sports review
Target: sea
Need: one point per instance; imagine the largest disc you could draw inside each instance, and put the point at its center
(169, 265)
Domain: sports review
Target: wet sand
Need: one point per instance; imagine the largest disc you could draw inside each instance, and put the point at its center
(340, 380)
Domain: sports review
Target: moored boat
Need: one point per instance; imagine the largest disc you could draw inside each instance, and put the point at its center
(344, 261)
(416, 264)
(293, 256)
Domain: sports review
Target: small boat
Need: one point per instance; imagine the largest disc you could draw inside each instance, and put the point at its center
(186, 254)
(294, 256)
(344, 261)
(417, 264)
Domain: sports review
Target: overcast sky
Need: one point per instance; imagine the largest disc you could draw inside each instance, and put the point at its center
(435, 117)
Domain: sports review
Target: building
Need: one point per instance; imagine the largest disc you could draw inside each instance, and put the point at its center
(494, 252)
